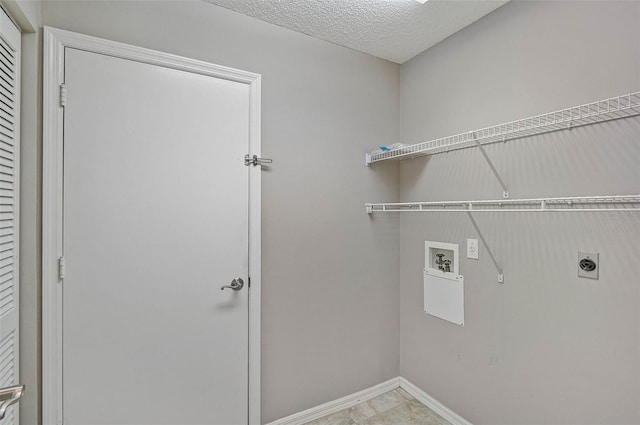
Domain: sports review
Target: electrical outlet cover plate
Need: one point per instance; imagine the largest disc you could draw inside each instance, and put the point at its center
(472, 249)
(588, 265)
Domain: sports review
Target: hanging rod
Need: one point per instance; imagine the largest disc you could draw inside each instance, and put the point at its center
(624, 106)
(575, 204)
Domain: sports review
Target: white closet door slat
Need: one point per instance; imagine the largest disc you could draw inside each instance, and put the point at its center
(6, 144)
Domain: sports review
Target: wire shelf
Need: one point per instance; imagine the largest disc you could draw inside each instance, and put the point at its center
(614, 108)
(570, 204)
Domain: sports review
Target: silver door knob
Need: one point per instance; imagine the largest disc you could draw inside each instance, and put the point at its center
(9, 396)
(236, 284)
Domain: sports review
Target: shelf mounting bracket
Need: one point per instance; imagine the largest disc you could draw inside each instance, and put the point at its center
(505, 189)
(484, 242)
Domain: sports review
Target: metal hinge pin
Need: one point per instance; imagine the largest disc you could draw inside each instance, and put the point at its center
(63, 95)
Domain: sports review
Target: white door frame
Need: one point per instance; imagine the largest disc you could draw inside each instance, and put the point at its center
(55, 42)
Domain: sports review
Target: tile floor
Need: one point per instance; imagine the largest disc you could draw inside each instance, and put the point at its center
(396, 407)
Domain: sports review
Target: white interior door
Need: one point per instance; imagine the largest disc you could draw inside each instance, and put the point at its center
(155, 221)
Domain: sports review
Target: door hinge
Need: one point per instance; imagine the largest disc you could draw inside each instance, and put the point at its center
(63, 95)
(249, 281)
(61, 268)
(254, 160)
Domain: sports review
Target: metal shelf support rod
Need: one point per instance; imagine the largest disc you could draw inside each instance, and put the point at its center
(505, 190)
(484, 242)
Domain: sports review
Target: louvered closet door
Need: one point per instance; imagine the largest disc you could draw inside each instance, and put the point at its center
(9, 148)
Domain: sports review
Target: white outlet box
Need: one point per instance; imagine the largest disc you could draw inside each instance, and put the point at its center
(472, 249)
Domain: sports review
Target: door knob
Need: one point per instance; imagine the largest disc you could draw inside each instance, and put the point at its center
(236, 284)
(9, 396)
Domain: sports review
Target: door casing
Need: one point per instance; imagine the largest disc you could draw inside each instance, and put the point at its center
(55, 42)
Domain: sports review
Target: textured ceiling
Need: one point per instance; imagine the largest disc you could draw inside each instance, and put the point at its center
(396, 30)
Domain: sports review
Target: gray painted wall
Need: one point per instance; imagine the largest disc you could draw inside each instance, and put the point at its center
(546, 347)
(330, 273)
(30, 225)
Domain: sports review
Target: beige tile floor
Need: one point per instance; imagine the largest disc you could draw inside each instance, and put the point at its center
(396, 407)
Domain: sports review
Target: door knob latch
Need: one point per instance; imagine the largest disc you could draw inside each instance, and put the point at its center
(9, 396)
(236, 284)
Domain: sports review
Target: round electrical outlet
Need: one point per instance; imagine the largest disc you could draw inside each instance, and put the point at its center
(588, 265)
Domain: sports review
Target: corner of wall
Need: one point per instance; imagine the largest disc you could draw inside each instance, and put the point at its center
(26, 13)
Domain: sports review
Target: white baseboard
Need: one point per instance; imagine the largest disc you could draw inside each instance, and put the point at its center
(317, 412)
(432, 403)
(339, 404)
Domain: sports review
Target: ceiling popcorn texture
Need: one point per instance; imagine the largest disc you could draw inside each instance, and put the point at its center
(396, 30)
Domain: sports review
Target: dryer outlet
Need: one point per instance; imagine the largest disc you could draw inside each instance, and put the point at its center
(588, 265)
